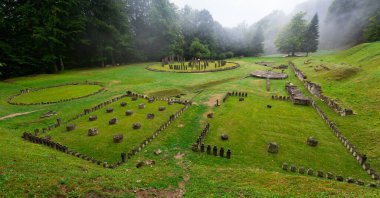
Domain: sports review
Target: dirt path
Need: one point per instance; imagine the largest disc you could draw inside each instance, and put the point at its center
(17, 114)
(212, 101)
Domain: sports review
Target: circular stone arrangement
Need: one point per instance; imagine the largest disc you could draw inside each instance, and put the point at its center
(56, 94)
(269, 74)
(210, 68)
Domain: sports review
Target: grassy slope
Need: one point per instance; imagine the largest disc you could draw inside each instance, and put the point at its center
(36, 170)
(353, 78)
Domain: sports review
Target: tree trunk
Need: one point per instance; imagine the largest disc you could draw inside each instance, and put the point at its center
(293, 54)
(112, 59)
(62, 64)
(55, 68)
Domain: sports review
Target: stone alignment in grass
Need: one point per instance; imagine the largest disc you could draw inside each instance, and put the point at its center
(102, 146)
(251, 125)
(316, 90)
(211, 68)
(329, 175)
(56, 94)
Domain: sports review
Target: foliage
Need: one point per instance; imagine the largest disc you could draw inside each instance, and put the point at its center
(312, 35)
(291, 39)
(199, 50)
(372, 31)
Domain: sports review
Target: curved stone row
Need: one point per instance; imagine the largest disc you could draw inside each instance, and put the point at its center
(189, 72)
(25, 91)
(360, 158)
(316, 90)
(310, 172)
(124, 156)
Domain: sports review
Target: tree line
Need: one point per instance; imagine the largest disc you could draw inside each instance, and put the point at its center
(49, 36)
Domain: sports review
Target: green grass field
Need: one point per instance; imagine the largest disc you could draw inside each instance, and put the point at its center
(101, 146)
(32, 170)
(55, 94)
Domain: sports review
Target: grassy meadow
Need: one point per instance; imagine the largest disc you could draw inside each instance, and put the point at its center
(32, 170)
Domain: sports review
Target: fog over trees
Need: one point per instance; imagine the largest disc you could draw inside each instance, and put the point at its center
(50, 36)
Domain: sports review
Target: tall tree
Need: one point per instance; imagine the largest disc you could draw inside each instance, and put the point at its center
(372, 31)
(258, 42)
(311, 36)
(199, 50)
(291, 38)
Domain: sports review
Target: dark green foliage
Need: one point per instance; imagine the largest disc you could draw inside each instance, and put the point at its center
(312, 35)
(199, 50)
(291, 39)
(372, 31)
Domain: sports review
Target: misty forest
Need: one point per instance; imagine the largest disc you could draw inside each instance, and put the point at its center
(154, 98)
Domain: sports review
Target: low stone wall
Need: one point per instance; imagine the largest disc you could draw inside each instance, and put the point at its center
(25, 91)
(189, 72)
(124, 156)
(329, 175)
(316, 90)
(360, 158)
(296, 95)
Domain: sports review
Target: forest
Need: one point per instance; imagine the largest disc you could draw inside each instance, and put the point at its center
(50, 36)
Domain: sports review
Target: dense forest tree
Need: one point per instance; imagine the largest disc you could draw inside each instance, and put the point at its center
(372, 31)
(291, 39)
(311, 36)
(48, 36)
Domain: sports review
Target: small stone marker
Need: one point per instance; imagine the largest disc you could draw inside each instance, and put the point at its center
(210, 115)
(360, 182)
(170, 102)
(123, 104)
(113, 121)
(109, 110)
(301, 170)
(224, 137)
(320, 174)
(330, 175)
(136, 125)
(93, 118)
(241, 99)
(141, 106)
(221, 152)
(293, 168)
(93, 132)
(118, 138)
(269, 106)
(123, 157)
(310, 172)
(128, 113)
(70, 127)
(161, 109)
(228, 154)
(273, 147)
(158, 152)
(350, 180)
(339, 178)
(215, 151)
(150, 116)
(312, 141)
(208, 149)
(285, 166)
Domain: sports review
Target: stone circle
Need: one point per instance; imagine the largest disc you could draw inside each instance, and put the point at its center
(269, 75)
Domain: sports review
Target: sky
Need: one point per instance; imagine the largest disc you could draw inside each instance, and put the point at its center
(233, 12)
